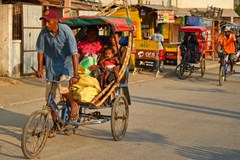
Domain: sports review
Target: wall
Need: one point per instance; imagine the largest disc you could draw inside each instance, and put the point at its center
(228, 4)
(159, 2)
(6, 38)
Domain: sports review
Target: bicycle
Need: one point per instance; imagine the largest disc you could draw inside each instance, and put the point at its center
(224, 68)
(36, 129)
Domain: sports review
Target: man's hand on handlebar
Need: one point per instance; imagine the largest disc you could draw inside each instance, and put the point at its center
(74, 80)
(39, 73)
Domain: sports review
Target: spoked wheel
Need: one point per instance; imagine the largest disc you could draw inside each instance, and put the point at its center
(35, 133)
(184, 70)
(222, 75)
(202, 66)
(119, 117)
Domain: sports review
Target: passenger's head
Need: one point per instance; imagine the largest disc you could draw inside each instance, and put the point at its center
(117, 36)
(92, 33)
(50, 18)
(187, 34)
(108, 52)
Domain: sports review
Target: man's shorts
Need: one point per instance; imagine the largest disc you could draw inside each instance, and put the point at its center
(62, 86)
(161, 55)
(230, 56)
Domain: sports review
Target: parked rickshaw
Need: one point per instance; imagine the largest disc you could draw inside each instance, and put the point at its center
(114, 96)
(193, 56)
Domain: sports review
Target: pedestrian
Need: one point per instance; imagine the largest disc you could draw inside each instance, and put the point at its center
(158, 37)
(56, 43)
(228, 41)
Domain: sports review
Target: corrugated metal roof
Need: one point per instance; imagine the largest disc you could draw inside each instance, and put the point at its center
(229, 13)
(180, 12)
(158, 7)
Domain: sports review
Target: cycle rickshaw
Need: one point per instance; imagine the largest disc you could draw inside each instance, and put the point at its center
(114, 96)
(187, 64)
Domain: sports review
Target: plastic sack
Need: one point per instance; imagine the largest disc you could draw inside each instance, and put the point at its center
(88, 61)
(86, 88)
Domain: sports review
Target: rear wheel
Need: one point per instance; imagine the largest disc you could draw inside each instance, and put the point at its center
(184, 70)
(202, 66)
(222, 75)
(35, 133)
(119, 117)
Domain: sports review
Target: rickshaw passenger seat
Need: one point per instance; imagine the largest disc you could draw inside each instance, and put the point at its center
(105, 40)
(123, 41)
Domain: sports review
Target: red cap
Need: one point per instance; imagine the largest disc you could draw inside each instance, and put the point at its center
(49, 14)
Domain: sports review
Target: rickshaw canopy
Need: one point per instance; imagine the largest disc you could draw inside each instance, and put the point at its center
(193, 29)
(232, 25)
(118, 23)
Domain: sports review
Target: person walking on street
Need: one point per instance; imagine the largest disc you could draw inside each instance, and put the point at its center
(56, 43)
(228, 42)
(158, 37)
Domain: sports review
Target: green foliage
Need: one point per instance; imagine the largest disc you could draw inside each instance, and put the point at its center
(237, 9)
(237, 6)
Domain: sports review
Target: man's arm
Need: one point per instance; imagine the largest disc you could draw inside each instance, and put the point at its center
(40, 65)
(75, 77)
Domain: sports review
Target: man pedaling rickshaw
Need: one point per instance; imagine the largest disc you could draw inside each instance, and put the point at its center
(189, 48)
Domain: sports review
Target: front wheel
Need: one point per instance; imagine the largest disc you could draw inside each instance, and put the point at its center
(222, 75)
(119, 117)
(35, 133)
(184, 70)
(202, 66)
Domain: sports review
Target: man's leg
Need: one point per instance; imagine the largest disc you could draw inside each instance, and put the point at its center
(65, 90)
(52, 87)
(232, 58)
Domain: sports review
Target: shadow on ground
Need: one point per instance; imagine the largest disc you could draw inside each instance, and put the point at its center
(208, 153)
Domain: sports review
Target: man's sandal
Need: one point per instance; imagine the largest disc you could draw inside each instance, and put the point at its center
(52, 132)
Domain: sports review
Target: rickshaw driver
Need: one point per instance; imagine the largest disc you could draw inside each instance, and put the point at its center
(190, 43)
(57, 44)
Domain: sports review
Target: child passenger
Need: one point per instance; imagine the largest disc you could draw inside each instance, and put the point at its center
(109, 63)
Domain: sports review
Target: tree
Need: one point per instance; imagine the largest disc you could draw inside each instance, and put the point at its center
(237, 6)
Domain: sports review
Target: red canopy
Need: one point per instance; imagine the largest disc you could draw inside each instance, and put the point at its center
(193, 29)
(118, 23)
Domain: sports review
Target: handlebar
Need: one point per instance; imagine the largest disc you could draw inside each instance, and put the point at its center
(45, 78)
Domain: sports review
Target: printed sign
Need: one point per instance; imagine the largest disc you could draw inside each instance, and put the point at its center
(165, 17)
(146, 54)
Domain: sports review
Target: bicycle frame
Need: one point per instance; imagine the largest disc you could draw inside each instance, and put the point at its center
(224, 64)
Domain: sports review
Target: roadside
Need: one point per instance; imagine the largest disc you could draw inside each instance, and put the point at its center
(29, 89)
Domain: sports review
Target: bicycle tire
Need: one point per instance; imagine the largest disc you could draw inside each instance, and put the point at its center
(39, 132)
(221, 75)
(203, 66)
(183, 70)
(119, 117)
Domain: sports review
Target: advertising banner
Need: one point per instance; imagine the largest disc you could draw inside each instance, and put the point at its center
(165, 17)
(146, 54)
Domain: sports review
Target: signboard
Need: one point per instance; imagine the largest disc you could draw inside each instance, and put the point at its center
(165, 17)
(146, 54)
(171, 54)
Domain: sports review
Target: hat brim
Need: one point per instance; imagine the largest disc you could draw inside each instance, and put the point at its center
(227, 30)
(45, 18)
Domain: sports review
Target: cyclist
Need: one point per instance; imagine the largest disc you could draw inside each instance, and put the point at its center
(56, 43)
(228, 42)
